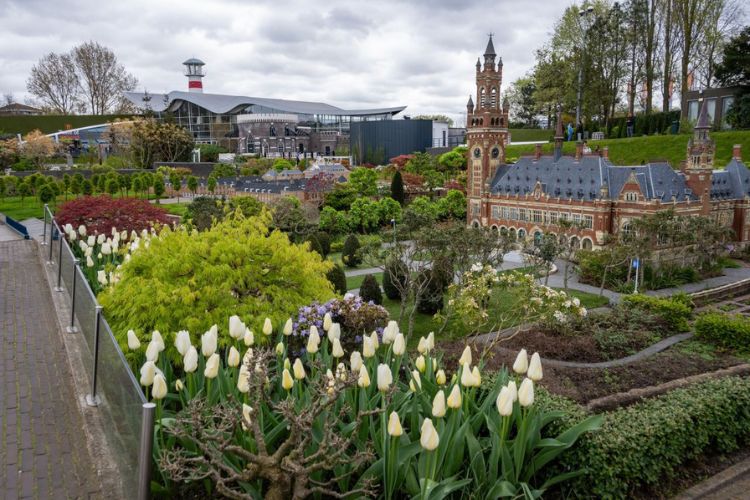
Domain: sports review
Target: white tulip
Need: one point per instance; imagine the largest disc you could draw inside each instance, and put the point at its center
(249, 338)
(399, 344)
(313, 341)
(212, 366)
(247, 410)
(89, 261)
(233, 359)
(476, 376)
(430, 342)
(133, 342)
(156, 337)
(100, 238)
(287, 382)
(178, 385)
(208, 342)
(454, 399)
(106, 248)
(236, 327)
(364, 377)
(327, 322)
(535, 368)
(394, 425)
(390, 332)
(375, 341)
(422, 345)
(415, 382)
(504, 402)
(190, 361)
(429, 438)
(385, 377)
(368, 349)
(159, 390)
(248, 355)
(465, 357)
(420, 363)
(299, 370)
(440, 377)
(82, 245)
(526, 392)
(280, 348)
(148, 372)
(152, 351)
(355, 361)
(91, 240)
(267, 327)
(466, 378)
(113, 231)
(522, 362)
(101, 277)
(337, 351)
(182, 342)
(82, 230)
(288, 327)
(334, 332)
(438, 405)
(513, 390)
(243, 380)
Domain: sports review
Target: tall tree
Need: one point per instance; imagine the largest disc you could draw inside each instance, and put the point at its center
(102, 78)
(523, 107)
(651, 44)
(691, 19)
(669, 46)
(55, 82)
(723, 20)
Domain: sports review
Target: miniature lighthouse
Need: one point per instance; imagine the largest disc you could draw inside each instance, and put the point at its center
(194, 72)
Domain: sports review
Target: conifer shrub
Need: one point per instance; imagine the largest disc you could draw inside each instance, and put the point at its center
(370, 290)
(394, 279)
(350, 253)
(337, 277)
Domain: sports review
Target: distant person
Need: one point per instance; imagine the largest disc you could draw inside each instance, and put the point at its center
(630, 124)
(586, 148)
(570, 132)
(579, 131)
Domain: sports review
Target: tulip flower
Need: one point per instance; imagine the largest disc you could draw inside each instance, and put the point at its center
(422, 345)
(390, 332)
(82, 245)
(287, 363)
(341, 371)
(158, 339)
(91, 240)
(476, 376)
(267, 327)
(114, 231)
(429, 438)
(101, 277)
(430, 341)
(148, 372)
(326, 322)
(236, 327)
(535, 368)
(394, 425)
(355, 361)
(288, 327)
(337, 351)
(233, 359)
(504, 402)
(247, 410)
(375, 341)
(438, 405)
(513, 390)
(152, 351)
(100, 238)
(89, 261)
(287, 382)
(249, 338)
(334, 332)
(364, 378)
(82, 230)
(182, 342)
(385, 377)
(420, 363)
(522, 362)
(313, 341)
(465, 357)
(399, 344)
(178, 385)
(466, 378)
(106, 248)
(212, 366)
(243, 380)
(133, 342)
(208, 342)
(440, 377)
(72, 235)
(454, 398)
(526, 393)
(299, 370)
(190, 361)
(415, 382)
(368, 348)
(247, 356)
(160, 387)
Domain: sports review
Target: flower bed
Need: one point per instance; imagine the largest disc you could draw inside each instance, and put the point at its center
(99, 214)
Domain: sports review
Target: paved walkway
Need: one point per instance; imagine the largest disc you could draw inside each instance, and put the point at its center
(43, 452)
(7, 234)
(730, 276)
(732, 483)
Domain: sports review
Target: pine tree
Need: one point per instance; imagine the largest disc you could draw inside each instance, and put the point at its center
(337, 277)
(369, 290)
(350, 254)
(397, 188)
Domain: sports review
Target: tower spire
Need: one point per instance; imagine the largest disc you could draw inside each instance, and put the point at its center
(489, 55)
(558, 135)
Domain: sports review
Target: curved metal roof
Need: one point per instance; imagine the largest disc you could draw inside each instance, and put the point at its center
(220, 104)
(193, 60)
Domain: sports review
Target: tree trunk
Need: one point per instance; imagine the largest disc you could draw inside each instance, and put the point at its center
(565, 277)
(667, 73)
(649, 63)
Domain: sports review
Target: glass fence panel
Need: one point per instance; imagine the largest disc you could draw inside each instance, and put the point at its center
(68, 269)
(85, 308)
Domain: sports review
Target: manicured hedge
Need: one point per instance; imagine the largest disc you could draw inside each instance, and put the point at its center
(724, 330)
(675, 311)
(645, 443)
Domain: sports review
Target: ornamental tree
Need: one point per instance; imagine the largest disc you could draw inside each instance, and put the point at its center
(101, 213)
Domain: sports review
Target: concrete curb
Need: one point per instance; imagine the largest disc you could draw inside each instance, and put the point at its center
(711, 487)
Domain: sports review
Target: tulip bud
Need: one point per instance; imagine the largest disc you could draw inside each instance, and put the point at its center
(133, 342)
(82, 230)
(160, 387)
(420, 363)
(100, 238)
(394, 425)
(364, 377)
(522, 362)
(334, 332)
(476, 376)
(190, 361)
(337, 351)
(422, 345)
(233, 359)
(440, 377)
(267, 327)
(535, 368)
(313, 341)
(287, 382)
(504, 402)
(152, 351)
(212, 366)
(72, 235)
(248, 355)
(513, 390)
(429, 438)
(236, 327)
(465, 357)
(438, 405)
(106, 248)
(385, 377)
(390, 332)
(399, 344)
(466, 378)
(148, 372)
(454, 399)
(526, 393)
(280, 348)
(178, 385)
(368, 349)
(247, 410)
(288, 327)
(375, 341)
(157, 338)
(249, 338)
(355, 361)
(314, 329)
(89, 261)
(326, 322)
(415, 382)
(182, 342)
(101, 277)
(287, 363)
(243, 380)
(430, 342)
(299, 370)
(91, 240)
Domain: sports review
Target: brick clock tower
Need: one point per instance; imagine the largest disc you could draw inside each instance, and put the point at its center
(486, 136)
(699, 166)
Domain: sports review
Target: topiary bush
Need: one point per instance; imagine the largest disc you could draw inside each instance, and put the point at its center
(674, 312)
(101, 213)
(732, 331)
(337, 277)
(370, 290)
(394, 279)
(203, 211)
(325, 242)
(350, 253)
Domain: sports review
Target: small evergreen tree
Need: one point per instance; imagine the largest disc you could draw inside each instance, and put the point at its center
(46, 194)
(394, 279)
(315, 245)
(370, 290)
(87, 188)
(337, 277)
(350, 254)
(159, 186)
(397, 188)
(325, 242)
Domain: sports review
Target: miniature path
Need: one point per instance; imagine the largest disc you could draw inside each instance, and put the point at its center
(43, 450)
(732, 483)
(731, 275)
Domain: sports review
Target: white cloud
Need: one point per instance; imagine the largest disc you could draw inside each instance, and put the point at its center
(347, 53)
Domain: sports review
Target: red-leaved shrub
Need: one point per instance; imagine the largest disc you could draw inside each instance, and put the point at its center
(101, 213)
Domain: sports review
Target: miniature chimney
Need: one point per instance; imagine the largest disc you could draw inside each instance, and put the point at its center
(579, 150)
(605, 152)
(737, 152)
(538, 150)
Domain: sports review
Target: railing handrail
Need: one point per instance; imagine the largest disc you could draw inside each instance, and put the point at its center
(17, 226)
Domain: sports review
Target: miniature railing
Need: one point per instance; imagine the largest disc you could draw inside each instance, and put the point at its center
(114, 389)
(17, 226)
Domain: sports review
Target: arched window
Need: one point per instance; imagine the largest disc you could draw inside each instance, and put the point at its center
(482, 98)
(587, 244)
(504, 230)
(493, 97)
(475, 224)
(537, 238)
(631, 196)
(512, 233)
(575, 242)
(627, 229)
(521, 234)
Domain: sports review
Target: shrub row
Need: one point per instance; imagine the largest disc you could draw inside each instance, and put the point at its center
(674, 312)
(732, 331)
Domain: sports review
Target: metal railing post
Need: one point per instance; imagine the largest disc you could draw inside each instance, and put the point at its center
(72, 328)
(145, 451)
(59, 287)
(51, 241)
(92, 399)
(44, 233)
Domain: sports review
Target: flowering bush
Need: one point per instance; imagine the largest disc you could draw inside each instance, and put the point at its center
(337, 423)
(101, 213)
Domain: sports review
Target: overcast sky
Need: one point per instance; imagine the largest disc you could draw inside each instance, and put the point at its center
(353, 53)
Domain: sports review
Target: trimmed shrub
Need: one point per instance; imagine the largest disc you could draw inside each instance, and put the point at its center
(732, 331)
(315, 245)
(203, 211)
(337, 277)
(101, 213)
(350, 253)
(325, 242)
(370, 290)
(394, 279)
(674, 312)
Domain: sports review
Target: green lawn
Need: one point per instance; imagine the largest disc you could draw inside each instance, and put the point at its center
(637, 150)
(530, 134)
(353, 282)
(175, 208)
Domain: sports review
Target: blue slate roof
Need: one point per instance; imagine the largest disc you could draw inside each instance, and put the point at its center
(255, 183)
